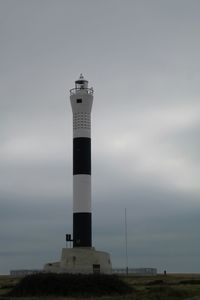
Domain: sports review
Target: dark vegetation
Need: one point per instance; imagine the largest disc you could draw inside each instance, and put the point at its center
(70, 285)
(191, 281)
(167, 292)
(156, 282)
(159, 287)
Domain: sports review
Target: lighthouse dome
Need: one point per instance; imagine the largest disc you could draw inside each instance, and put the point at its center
(81, 83)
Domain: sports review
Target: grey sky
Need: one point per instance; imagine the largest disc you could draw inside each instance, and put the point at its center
(142, 59)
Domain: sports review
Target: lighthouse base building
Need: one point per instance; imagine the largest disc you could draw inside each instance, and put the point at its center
(81, 261)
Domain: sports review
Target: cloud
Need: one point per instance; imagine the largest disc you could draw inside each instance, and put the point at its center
(142, 149)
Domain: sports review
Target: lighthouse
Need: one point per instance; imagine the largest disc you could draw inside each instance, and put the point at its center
(81, 98)
(82, 258)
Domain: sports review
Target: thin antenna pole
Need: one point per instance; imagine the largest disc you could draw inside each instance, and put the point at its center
(126, 243)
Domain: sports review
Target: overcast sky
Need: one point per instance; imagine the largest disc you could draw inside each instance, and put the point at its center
(142, 59)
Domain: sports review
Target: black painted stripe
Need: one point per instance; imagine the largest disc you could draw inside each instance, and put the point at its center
(82, 229)
(81, 156)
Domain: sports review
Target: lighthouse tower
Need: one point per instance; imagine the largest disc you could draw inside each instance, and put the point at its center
(82, 257)
(81, 98)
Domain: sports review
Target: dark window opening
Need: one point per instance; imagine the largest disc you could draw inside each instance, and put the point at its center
(78, 100)
(96, 269)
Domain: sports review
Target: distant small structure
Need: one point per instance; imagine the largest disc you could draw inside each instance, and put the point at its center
(119, 271)
(24, 272)
(135, 271)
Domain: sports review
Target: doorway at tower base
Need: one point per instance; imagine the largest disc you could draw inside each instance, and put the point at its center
(81, 261)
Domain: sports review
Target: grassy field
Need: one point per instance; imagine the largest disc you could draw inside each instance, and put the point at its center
(160, 287)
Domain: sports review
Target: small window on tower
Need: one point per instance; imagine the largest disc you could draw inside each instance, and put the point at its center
(78, 100)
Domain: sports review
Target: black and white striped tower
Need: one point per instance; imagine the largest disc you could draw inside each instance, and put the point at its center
(81, 98)
(83, 257)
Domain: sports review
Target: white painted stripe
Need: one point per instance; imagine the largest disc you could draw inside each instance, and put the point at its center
(81, 124)
(81, 133)
(81, 193)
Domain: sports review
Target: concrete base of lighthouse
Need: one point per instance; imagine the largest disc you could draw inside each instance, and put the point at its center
(81, 261)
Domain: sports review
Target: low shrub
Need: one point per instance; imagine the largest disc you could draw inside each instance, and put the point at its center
(168, 292)
(7, 286)
(190, 281)
(155, 282)
(70, 285)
